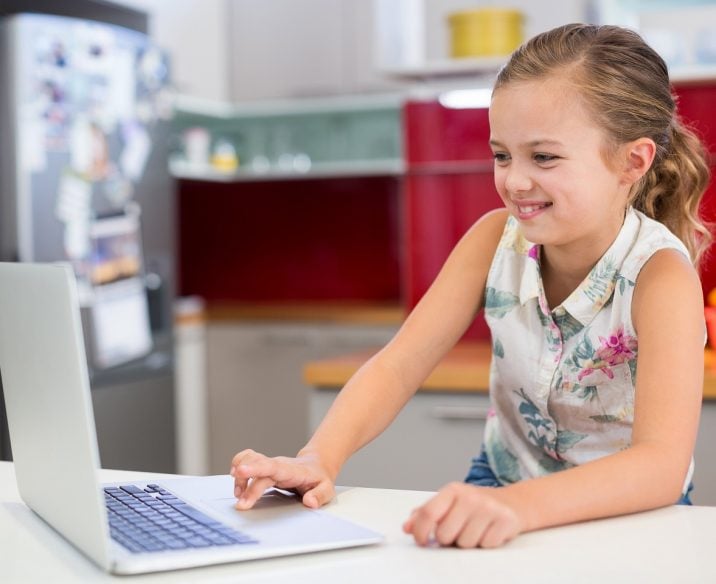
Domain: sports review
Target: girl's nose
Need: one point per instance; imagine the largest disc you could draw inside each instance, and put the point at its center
(517, 180)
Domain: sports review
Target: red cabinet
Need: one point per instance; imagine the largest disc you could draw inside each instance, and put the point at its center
(697, 104)
(448, 186)
(302, 240)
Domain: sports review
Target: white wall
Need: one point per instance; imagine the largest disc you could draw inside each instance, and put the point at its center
(196, 35)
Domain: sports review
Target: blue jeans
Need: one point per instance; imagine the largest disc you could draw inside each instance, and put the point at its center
(481, 475)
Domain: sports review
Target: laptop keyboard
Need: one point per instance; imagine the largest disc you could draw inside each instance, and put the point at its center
(152, 519)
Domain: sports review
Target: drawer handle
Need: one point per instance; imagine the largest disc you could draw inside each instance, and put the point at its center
(461, 412)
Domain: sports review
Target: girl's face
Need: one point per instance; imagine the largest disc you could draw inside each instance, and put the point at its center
(550, 169)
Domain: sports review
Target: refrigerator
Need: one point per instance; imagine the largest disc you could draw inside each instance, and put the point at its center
(84, 132)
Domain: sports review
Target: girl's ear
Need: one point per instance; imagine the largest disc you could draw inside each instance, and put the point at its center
(639, 158)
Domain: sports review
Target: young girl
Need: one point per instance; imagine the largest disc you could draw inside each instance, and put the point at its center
(588, 284)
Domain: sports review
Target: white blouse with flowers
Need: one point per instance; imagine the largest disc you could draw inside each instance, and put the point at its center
(562, 380)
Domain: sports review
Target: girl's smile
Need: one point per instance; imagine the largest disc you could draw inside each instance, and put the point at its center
(529, 210)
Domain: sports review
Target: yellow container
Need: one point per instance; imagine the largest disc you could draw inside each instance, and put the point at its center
(485, 32)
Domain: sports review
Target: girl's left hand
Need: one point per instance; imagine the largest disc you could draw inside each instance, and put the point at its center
(466, 516)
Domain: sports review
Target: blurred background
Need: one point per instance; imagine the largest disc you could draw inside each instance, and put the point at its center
(254, 194)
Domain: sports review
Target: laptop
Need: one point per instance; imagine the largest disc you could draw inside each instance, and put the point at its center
(133, 527)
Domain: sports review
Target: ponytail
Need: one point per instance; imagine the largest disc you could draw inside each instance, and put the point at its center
(671, 191)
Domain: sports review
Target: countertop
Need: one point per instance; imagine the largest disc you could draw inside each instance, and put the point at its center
(465, 369)
(672, 544)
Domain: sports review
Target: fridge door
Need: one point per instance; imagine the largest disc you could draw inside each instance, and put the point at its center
(85, 180)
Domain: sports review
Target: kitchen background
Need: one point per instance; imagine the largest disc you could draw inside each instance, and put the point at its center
(319, 160)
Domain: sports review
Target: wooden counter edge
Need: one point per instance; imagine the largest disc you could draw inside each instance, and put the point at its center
(331, 312)
(465, 369)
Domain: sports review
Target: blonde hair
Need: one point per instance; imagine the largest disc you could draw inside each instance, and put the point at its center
(625, 85)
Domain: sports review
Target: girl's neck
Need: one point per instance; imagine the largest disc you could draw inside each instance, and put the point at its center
(561, 278)
(564, 267)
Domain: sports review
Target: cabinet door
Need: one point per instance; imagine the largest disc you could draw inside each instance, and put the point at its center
(257, 398)
(449, 186)
(705, 470)
(429, 444)
(695, 103)
(284, 48)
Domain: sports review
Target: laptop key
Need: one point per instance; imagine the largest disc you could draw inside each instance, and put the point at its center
(196, 515)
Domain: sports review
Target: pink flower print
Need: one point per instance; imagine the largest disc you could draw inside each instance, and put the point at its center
(596, 366)
(617, 348)
(534, 252)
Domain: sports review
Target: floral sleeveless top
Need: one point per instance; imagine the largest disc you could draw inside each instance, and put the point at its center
(562, 380)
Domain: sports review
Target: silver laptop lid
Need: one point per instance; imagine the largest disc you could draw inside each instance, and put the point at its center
(49, 409)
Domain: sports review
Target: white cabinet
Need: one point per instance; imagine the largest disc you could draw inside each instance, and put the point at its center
(256, 395)
(429, 444)
(284, 48)
(705, 472)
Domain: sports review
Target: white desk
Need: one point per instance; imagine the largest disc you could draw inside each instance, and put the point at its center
(669, 545)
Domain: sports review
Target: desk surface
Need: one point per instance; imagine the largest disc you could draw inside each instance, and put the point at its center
(668, 545)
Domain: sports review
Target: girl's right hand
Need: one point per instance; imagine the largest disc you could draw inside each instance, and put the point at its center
(254, 473)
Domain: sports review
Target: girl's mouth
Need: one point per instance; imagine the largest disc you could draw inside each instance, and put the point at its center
(532, 210)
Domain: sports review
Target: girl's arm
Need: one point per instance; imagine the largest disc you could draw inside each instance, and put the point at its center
(667, 312)
(380, 388)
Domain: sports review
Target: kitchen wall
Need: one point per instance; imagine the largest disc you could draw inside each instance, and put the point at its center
(249, 49)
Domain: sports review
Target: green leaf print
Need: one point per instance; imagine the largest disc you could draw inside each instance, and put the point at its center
(586, 392)
(544, 319)
(499, 303)
(601, 280)
(568, 325)
(541, 433)
(550, 465)
(632, 370)
(606, 418)
(497, 349)
(506, 466)
(532, 415)
(583, 351)
(623, 283)
(566, 439)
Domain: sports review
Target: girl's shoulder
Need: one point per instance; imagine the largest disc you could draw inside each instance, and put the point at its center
(489, 229)
(475, 251)
(653, 239)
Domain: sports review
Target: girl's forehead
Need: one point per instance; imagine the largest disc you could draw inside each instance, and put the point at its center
(551, 105)
(551, 89)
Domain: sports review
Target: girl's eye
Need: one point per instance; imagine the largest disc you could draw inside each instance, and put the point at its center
(544, 158)
(501, 157)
